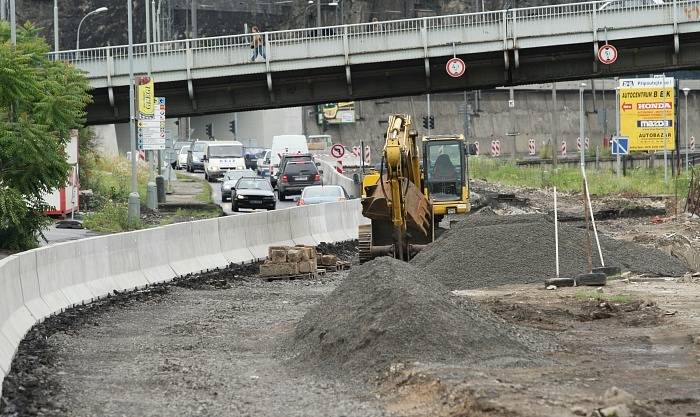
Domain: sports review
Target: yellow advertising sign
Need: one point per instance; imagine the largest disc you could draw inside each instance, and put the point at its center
(647, 113)
(146, 96)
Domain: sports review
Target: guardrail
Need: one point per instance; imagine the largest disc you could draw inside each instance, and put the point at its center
(346, 44)
(39, 283)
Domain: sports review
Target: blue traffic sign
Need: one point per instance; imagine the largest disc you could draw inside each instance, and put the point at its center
(620, 145)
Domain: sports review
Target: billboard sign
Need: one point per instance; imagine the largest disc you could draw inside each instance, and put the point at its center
(146, 96)
(647, 113)
(337, 113)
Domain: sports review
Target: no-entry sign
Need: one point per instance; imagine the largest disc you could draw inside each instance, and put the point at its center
(455, 67)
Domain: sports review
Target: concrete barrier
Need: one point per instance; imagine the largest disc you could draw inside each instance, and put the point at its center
(232, 239)
(29, 280)
(299, 226)
(55, 266)
(257, 234)
(207, 246)
(15, 319)
(180, 248)
(123, 261)
(279, 226)
(317, 223)
(93, 255)
(333, 214)
(152, 250)
(41, 282)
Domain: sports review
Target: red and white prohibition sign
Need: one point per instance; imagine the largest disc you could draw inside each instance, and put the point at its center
(455, 67)
(607, 54)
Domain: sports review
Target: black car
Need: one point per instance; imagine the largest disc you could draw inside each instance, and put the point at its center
(295, 175)
(228, 182)
(253, 193)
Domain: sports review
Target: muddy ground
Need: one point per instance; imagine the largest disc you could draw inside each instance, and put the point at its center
(210, 345)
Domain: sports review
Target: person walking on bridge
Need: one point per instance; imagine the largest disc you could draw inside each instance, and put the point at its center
(257, 44)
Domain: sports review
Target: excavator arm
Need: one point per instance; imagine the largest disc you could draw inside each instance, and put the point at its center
(400, 213)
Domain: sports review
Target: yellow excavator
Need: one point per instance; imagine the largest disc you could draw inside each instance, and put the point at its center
(405, 199)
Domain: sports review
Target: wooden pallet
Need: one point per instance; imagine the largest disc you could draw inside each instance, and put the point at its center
(340, 266)
(289, 277)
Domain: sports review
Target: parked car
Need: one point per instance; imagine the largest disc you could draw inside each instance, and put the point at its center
(319, 194)
(195, 154)
(231, 178)
(172, 154)
(295, 176)
(181, 162)
(220, 157)
(253, 193)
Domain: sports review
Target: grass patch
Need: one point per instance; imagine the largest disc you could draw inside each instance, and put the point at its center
(593, 295)
(112, 218)
(205, 195)
(638, 181)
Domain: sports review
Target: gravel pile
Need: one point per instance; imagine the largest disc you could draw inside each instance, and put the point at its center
(483, 251)
(387, 311)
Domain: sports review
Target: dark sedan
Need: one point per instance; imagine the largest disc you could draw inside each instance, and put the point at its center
(228, 182)
(253, 193)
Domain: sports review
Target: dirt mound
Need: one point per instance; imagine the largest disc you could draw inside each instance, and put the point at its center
(483, 251)
(387, 311)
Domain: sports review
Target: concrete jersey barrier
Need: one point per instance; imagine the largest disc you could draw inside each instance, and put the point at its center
(45, 281)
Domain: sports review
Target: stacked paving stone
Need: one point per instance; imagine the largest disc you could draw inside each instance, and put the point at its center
(289, 261)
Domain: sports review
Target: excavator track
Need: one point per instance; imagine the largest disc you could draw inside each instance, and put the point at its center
(365, 243)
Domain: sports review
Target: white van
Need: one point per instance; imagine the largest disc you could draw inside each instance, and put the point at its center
(286, 145)
(220, 157)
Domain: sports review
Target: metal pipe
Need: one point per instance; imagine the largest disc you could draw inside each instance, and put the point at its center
(55, 26)
(195, 32)
(665, 135)
(556, 232)
(3, 10)
(581, 129)
(555, 126)
(686, 90)
(134, 202)
(318, 16)
(617, 130)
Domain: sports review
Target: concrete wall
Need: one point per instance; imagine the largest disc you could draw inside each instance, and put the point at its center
(532, 117)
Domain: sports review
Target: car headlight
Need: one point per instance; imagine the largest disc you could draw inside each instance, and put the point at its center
(240, 197)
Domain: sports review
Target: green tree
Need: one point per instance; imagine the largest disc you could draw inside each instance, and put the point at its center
(40, 102)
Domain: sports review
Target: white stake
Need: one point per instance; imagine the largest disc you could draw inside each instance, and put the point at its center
(590, 210)
(556, 231)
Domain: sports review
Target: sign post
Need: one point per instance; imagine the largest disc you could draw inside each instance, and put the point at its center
(620, 146)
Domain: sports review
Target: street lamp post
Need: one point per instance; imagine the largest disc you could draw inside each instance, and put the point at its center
(134, 201)
(13, 23)
(77, 41)
(686, 90)
(55, 26)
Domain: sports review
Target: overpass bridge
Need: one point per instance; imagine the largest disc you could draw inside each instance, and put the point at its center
(397, 58)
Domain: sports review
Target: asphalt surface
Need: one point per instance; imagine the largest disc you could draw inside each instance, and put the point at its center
(226, 206)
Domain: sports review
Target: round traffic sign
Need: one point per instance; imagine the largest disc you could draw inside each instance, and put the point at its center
(337, 151)
(455, 67)
(607, 54)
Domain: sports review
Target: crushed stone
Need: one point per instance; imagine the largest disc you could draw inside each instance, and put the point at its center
(486, 251)
(387, 311)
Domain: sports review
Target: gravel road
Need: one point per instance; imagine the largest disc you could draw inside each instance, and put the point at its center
(184, 352)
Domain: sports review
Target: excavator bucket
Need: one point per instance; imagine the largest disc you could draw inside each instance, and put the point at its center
(418, 215)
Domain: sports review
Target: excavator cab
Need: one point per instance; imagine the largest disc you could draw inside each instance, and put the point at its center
(444, 174)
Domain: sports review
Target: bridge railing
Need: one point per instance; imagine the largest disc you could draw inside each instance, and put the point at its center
(396, 36)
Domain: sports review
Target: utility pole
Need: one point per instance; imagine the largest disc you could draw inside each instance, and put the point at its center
(555, 126)
(3, 10)
(513, 127)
